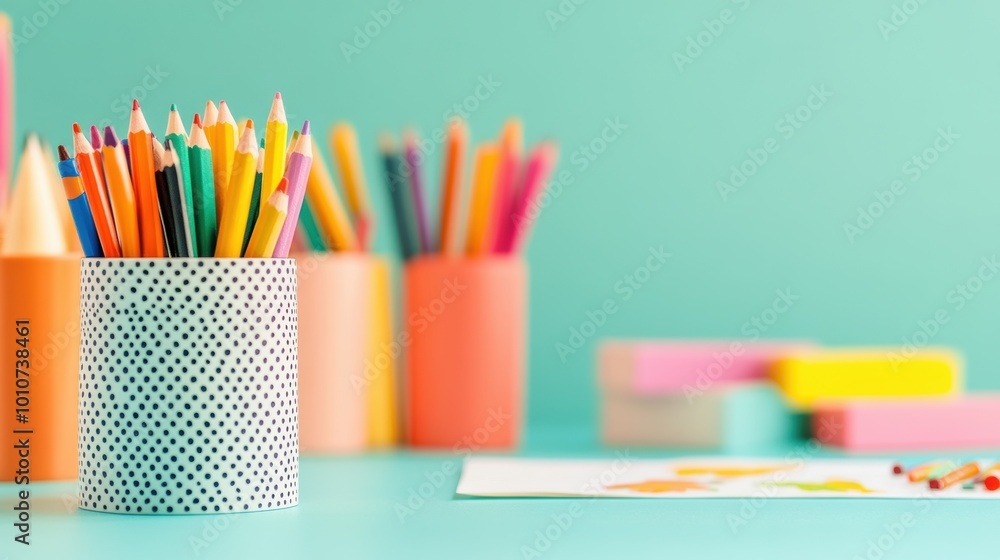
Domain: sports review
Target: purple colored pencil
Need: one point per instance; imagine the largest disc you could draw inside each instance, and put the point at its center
(95, 137)
(417, 191)
(297, 173)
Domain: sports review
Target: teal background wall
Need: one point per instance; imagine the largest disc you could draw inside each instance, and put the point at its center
(892, 79)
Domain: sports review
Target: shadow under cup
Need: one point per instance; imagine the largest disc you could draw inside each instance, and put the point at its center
(188, 385)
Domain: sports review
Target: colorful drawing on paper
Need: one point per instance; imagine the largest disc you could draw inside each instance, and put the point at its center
(661, 486)
(727, 472)
(829, 486)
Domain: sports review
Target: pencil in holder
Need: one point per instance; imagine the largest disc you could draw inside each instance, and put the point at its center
(384, 355)
(40, 318)
(188, 385)
(466, 322)
(334, 340)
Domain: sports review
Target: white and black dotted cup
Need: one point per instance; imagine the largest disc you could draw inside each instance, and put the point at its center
(188, 385)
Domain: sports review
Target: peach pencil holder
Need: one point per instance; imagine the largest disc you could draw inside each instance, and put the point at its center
(40, 318)
(335, 295)
(466, 323)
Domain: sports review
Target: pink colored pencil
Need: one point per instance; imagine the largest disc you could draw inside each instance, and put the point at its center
(6, 109)
(504, 193)
(95, 137)
(539, 166)
(297, 172)
(417, 190)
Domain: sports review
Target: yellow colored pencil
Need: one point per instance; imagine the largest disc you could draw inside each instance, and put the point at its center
(326, 205)
(239, 193)
(272, 218)
(344, 145)
(275, 136)
(484, 173)
(223, 153)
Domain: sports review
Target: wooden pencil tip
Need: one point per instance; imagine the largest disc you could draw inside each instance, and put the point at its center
(249, 123)
(197, 119)
(76, 128)
(63, 153)
(277, 95)
(135, 104)
(305, 128)
(385, 142)
(110, 137)
(173, 107)
(283, 185)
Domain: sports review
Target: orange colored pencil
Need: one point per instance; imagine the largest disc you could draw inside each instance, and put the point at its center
(140, 144)
(451, 191)
(121, 193)
(480, 207)
(97, 196)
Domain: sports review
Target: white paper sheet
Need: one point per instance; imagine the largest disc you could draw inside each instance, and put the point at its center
(699, 477)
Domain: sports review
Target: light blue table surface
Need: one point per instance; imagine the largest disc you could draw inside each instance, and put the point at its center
(351, 508)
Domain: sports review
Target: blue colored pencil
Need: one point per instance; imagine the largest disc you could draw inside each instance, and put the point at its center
(78, 206)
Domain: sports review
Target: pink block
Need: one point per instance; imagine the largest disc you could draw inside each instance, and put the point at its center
(912, 425)
(661, 367)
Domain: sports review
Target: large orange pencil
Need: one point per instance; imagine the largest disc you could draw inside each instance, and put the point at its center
(140, 143)
(122, 194)
(451, 192)
(97, 196)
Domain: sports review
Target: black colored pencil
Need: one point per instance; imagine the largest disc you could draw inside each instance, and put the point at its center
(163, 199)
(178, 202)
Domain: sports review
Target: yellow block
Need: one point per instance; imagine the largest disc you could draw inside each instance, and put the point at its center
(383, 408)
(824, 375)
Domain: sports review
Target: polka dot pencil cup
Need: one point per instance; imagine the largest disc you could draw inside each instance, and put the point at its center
(188, 385)
(466, 322)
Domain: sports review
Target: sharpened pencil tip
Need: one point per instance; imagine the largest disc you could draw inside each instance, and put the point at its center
(76, 128)
(110, 138)
(305, 128)
(135, 104)
(197, 119)
(249, 123)
(173, 107)
(63, 153)
(277, 95)
(283, 185)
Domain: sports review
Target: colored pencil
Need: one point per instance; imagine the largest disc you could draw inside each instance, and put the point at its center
(966, 471)
(33, 227)
(344, 145)
(483, 180)
(58, 192)
(399, 194)
(140, 142)
(202, 189)
(272, 219)
(95, 138)
(128, 156)
(258, 183)
(505, 190)
(6, 110)
(82, 218)
(92, 175)
(178, 201)
(327, 207)
(163, 197)
(414, 172)
(178, 139)
(275, 136)
(297, 173)
(540, 164)
(451, 189)
(238, 194)
(121, 193)
(223, 153)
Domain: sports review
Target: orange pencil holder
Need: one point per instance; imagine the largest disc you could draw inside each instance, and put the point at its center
(465, 331)
(335, 291)
(40, 319)
(188, 385)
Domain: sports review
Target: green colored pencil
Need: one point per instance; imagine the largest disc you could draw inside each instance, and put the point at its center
(203, 189)
(178, 138)
(314, 237)
(258, 183)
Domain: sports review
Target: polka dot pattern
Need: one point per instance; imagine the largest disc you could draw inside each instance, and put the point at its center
(188, 385)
